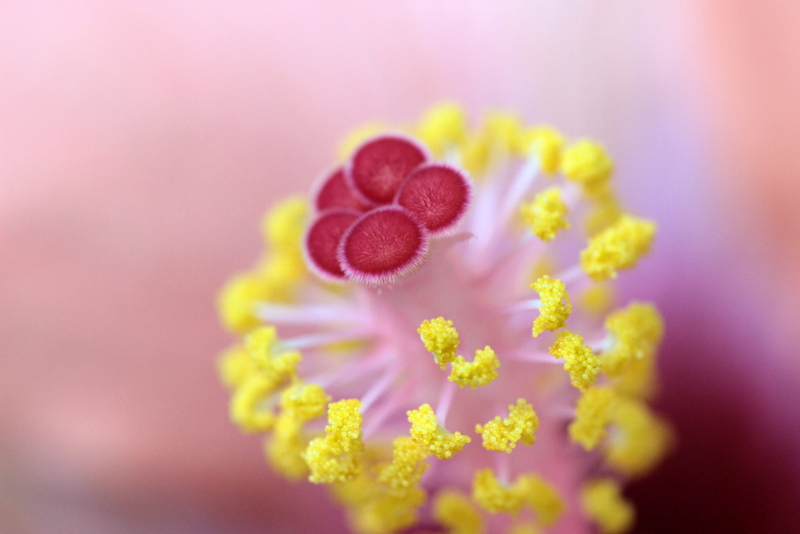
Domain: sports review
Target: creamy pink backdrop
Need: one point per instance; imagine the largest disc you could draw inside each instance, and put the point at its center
(140, 144)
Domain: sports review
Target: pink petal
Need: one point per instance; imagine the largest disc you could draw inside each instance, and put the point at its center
(333, 191)
(381, 164)
(323, 239)
(437, 195)
(382, 245)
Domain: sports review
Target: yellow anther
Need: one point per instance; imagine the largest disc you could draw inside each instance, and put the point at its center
(592, 415)
(638, 379)
(619, 246)
(531, 490)
(440, 338)
(246, 407)
(304, 402)
(495, 497)
(546, 214)
(597, 299)
(582, 364)
(476, 154)
(407, 465)
(375, 507)
(261, 344)
(384, 513)
(281, 270)
(605, 212)
(284, 448)
(431, 435)
(344, 424)
(503, 434)
(555, 307)
(542, 497)
(337, 457)
(285, 223)
(603, 503)
(442, 127)
(636, 332)
(547, 144)
(354, 138)
(265, 350)
(479, 372)
(238, 299)
(504, 130)
(456, 512)
(235, 366)
(525, 528)
(588, 164)
(641, 439)
(328, 464)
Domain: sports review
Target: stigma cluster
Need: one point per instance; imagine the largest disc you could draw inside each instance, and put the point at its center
(434, 333)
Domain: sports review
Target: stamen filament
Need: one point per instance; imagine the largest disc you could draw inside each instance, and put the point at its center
(316, 314)
(380, 414)
(445, 399)
(353, 370)
(520, 185)
(315, 340)
(503, 468)
(377, 389)
(533, 357)
(525, 305)
(572, 274)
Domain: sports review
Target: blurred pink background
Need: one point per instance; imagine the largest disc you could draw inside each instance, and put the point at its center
(141, 143)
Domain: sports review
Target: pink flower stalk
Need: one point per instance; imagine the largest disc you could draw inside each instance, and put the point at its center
(420, 249)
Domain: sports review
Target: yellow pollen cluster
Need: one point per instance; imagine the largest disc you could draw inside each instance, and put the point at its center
(547, 143)
(440, 338)
(636, 331)
(592, 415)
(374, 509)
(605, 211)
(640, 439)
(546, 214)
(619, 246)
(336, 457)
(555, 307)
(304, 402)
(386, 498)
(638, 380)
(285, 447)
(603, 503)
(493, 496)
(431, 435)
(597, 299)
(499, 135)
(542, 497)
(583, 365)
(246, 408)
(503, 434)
(503, 129)
(443, 127)
(407, 465)
(479, 372)
(269, 370)
(528, 490)
(235, 366)
(456, 512)
(267, 355)
(588, 164)
(278, 274)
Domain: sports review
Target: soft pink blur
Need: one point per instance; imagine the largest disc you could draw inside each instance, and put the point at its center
(139, 147)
